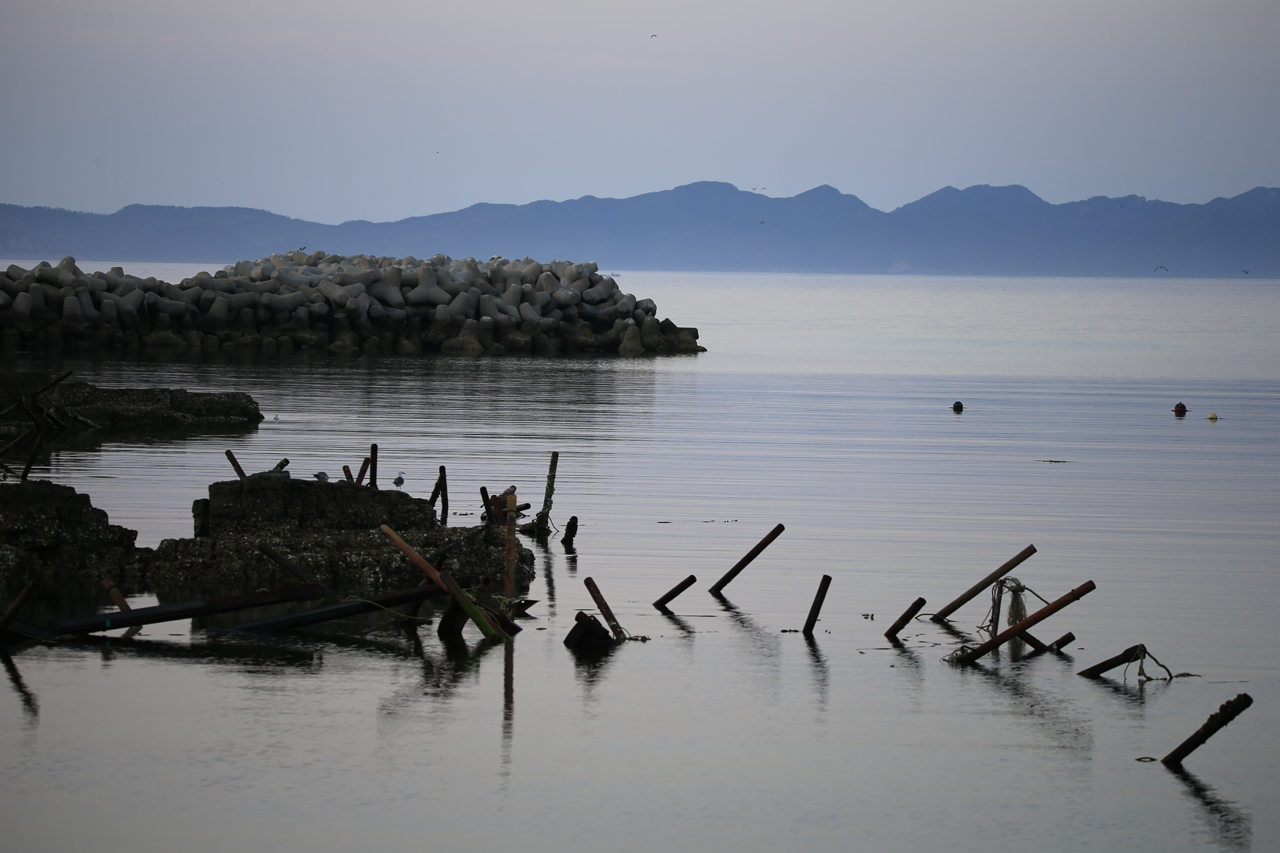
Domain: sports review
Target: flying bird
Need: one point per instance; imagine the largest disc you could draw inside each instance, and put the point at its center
(1161, 267)
(321, 476)
(1246, 272)
(761, 221)
(653, 37)
(399, 480)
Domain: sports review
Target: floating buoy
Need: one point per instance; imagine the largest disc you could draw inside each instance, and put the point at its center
(958, 407)
(1213, 416)
(1179, 410)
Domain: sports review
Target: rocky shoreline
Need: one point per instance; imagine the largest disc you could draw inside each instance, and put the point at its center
(341, 304)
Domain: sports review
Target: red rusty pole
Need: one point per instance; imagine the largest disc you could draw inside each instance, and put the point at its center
(1032, 620)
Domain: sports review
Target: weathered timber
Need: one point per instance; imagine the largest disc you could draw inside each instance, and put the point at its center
(1061, 643)
(1218, 720)
(231, 457)
(1034, 619)
(745, 561)
(373, 466)
(364, 469)
(662, 603)
(445, 581)
(984, 583)
(1127, 656)
(509, 569)
(618, 633)
(906, 617)
(174, 612)
(814, 610)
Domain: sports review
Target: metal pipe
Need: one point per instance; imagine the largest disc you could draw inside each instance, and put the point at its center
(1034, 619)
(823, 586)
(984, 583)
(906, 617)
(751, 555)
(662, 603)
(1229, 710)
(618, 633)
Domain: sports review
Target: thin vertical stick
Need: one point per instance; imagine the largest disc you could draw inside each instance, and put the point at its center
(444, 496)
(543, 521)
(915, 607)
(231, 457)
(984, 583)
(487, 504)
(662, 603)
(751, 555)
(509, 574)
(823, 585)
(618, 633)
(373, 466)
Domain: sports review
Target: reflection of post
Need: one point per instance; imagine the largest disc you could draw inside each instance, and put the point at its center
(508, 690)
(984, 583)
(29, 702)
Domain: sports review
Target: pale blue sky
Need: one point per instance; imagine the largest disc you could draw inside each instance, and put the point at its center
(334, 110)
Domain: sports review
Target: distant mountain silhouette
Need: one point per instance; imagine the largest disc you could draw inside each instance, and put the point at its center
(982, 230)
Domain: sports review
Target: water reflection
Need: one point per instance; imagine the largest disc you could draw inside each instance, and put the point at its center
(1232, 828)
(30, 705)
(821, 675)
(1048, 714)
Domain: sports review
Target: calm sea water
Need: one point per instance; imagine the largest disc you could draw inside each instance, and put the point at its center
(823, 404)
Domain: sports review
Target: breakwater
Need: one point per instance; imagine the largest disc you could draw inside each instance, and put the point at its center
(343, 304)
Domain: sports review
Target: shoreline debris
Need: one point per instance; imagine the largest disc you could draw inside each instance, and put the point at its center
(745, 561)
(1218, 720)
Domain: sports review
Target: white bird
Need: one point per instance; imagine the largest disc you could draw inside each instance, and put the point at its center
(276, 419)
(399, 480)
(321, 476)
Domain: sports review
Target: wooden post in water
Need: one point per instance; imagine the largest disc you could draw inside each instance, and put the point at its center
(823, 586)
(346, 472)
(231, 457)
(373, 466)
(906, 617)
(443, 483)
(11, 613)
(445, 581)
(364, 467)
(1230, 709)
(1060, 643)
(1034, 619)
(117, 597)
(487, 504)
(662, 603)
(743, 563)
(509, 570)
(1022, 555)
(1127, 656)
(618, 633)
(542, 523)
(570, 532)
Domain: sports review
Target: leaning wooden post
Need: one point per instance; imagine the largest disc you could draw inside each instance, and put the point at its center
(231, 457)
(12, 612)
(487, 504)
(662, 603)
(1127, 656)
(364, 467)
(446, 582)
(1230, 709)
(117, 597)
(823, 586)
(444, 496)
(373, 466)
(509, 569)
(542, 523)
(346, 472)
(984, 583)
(915, 608)
(751, 555)
(1034, 619)
(618, 633)
(1058, 644)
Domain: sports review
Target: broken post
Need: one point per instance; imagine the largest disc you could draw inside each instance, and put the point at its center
(487, 504)
(373, 466)
(1034, 619)
(662, 603)
(1229, 710)
(346, 472)
(445, 581)
(984, 583)
(12, 612)
(618, 633)
(231, 457)
(588, 635)
(117, 597)
(298, 572)
(364, 467)
(570, 532)
(542, 522)
(745, 561)
(823, 586)
(1062, 642)
(915, 608)
(509, 568)
(1127, 656)
(443, 484)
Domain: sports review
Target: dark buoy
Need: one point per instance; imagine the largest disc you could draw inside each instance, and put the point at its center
(1179, 410)
(958, 407)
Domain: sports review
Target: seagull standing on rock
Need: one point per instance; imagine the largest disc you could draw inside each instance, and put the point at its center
(399, 480)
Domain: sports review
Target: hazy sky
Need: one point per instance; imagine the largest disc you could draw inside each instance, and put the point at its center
(384, 109)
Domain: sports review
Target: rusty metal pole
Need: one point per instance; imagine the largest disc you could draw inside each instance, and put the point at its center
(1127, 656)
(12, 612)
(1034, 619)
(231, 457)
(509, 570)
(751, 555)
(618, 633)
(662, 603)
(823, 586)
(984, 583)
(364, 467)
(906, 617)
(445, 581)
(1229, 710)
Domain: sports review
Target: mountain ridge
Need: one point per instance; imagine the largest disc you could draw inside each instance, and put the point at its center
(715, 226)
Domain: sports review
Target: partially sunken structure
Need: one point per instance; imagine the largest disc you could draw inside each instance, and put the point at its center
(345, 305)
